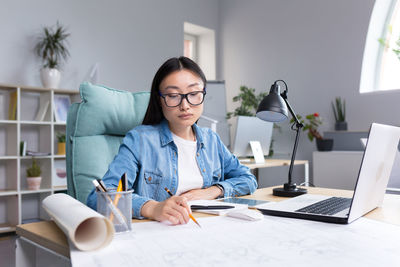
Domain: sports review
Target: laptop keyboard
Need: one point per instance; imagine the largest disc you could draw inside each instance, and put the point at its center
(328, 206)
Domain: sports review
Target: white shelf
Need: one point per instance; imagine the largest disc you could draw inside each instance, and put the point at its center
(36, 122)
(8, 157)
(8, 193)
(8, 122)
(36, 157)
(45, 190)
(17, 203)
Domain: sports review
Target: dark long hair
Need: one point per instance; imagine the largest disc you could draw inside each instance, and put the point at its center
(154, 114)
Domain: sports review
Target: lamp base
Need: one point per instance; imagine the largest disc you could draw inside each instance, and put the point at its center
(289, 190)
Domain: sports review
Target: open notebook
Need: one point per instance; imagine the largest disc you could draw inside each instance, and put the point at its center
(210, 203)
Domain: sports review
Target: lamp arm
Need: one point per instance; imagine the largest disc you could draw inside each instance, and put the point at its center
(299, 125)
(296, 142)
(284, 96)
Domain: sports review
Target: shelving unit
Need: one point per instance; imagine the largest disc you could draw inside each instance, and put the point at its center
(17, 203)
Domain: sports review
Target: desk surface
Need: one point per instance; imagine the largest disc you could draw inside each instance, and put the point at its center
(271, 163)
(47, 234)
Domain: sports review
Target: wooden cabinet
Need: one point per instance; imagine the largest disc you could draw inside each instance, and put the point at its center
(27, 114)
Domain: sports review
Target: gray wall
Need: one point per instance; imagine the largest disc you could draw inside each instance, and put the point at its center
(316, 46)
(129, 38)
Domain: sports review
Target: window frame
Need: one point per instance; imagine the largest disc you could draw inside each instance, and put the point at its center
(374, 51)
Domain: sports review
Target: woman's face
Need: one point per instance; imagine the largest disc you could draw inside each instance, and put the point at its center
(181, 82)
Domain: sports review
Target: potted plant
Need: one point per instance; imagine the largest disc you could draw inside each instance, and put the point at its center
(249, 102)
(311, 126)
(33, 177)
(339, 110)
(51, 48)
(60, 143)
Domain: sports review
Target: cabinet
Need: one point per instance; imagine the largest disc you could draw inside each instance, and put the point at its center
(336, 169)
(19, 122)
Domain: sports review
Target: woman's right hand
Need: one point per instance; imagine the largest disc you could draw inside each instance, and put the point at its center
(175, 210)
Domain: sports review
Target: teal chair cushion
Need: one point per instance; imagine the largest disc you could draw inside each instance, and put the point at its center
(95, 129)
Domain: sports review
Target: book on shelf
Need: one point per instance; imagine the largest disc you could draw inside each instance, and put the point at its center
(22, 148)
(36, 153)
(42, 111)
(61, 106)
(3, 110)
(12, 108)
(59, 173)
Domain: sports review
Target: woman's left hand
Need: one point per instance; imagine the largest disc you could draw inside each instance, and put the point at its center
(209, 193)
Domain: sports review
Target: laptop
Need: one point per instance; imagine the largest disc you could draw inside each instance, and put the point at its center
(373, 177)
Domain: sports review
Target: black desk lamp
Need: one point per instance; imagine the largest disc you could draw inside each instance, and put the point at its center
(274, 108)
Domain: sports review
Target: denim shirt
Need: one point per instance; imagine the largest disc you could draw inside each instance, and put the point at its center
(149, 156)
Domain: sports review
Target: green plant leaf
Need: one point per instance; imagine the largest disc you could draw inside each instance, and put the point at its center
(51, 46)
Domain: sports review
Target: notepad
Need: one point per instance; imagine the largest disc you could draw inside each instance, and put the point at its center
(216, 203)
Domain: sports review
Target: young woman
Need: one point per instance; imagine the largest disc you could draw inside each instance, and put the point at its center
(170, 151)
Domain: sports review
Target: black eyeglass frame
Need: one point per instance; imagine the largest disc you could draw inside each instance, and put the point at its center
(184, 96)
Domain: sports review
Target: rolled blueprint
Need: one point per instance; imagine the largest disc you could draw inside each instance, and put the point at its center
(87, 229)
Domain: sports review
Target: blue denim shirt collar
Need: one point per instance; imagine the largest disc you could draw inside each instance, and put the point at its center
(165, 133)
(166, 136)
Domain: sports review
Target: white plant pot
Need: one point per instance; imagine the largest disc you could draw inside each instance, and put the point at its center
(50, 77)
(34, 182)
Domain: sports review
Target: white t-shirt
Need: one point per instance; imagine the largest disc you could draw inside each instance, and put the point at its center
(189, 176)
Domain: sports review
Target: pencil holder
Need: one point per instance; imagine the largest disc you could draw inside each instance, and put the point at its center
(116, 206)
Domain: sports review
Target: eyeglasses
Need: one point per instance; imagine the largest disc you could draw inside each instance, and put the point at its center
(194, 98)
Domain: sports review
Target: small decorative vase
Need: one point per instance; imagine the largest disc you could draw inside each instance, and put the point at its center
(341, 126)
(324, 144)
(50, 77)
(34, 182)
(61, 149)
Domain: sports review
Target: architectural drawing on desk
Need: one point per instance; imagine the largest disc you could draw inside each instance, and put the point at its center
(224, 241)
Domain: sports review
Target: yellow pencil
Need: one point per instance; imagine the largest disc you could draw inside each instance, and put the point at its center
(190, 215)
(116, 199)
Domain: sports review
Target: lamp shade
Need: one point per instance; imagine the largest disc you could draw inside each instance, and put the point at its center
(273, 108)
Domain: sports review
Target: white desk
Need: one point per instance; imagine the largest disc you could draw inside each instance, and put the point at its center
(37, 239)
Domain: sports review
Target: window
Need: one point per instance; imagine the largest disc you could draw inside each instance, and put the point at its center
(388, 76)
(190, 46)
(381, 62)
(199, 45)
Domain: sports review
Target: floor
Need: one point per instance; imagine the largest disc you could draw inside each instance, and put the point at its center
(7, 250)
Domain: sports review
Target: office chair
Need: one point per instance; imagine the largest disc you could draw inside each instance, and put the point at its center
(95, 129)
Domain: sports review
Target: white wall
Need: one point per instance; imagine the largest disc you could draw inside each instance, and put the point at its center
(129, 38)
(316, 46)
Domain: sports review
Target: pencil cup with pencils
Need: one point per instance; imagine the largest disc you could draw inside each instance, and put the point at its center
(117, 206)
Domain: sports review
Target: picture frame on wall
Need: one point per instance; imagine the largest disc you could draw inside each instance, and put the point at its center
(61, 106)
